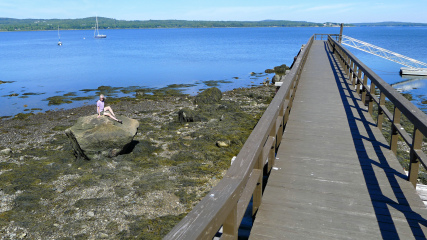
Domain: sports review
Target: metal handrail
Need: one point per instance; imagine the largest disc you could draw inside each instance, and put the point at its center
(381, 52)
(354, 69)
(226, 203)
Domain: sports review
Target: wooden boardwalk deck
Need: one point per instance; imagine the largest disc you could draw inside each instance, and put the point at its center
(334, 176)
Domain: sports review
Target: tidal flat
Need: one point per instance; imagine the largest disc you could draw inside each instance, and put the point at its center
(46, 193)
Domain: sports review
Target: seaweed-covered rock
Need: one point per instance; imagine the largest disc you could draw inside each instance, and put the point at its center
(209, 96)
(92, 136)
(188, 115)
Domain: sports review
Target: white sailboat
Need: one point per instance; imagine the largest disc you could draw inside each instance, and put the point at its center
(96, 33)
(59, 37)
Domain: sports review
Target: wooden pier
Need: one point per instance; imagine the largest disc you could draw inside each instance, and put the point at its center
(332, 174)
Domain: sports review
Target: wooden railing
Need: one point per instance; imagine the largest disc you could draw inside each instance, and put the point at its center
(321, 36)
(227, 202)
(359, 74)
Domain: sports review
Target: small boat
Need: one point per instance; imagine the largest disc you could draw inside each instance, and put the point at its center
(96, 33)
(59, 37)
(413, 71)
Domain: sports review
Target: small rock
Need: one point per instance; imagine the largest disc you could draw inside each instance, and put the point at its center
(6, 151)
(103, 235)
(91, 214)
(222, 144)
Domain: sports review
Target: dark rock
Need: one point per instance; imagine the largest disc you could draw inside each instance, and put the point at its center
(92, 136)
(278, 78)
(209, 96)
(188, 115)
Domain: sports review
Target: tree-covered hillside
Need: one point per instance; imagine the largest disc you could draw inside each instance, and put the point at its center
(11, 24)
(390, 24)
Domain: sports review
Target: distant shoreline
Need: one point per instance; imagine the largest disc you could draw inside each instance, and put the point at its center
(74, 29)
(11, 24)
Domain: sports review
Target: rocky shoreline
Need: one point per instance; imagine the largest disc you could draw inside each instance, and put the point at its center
(46, 193)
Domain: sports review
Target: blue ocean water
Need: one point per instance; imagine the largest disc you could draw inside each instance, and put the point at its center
(35, 67)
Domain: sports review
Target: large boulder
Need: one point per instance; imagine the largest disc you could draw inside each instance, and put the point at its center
(92, 136)
(209, 96)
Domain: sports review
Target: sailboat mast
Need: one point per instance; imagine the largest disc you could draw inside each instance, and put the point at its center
(96, 25)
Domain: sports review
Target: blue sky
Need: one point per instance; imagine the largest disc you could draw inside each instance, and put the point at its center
(296, 10)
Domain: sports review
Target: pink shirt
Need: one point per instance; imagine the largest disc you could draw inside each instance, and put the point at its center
(100, 105)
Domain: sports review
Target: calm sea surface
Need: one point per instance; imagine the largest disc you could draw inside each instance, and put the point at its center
(36, 68)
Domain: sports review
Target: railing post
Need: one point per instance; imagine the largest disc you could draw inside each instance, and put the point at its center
(380, 117)
(350, 75)
(347, 65)
(343, 61)
(414, 164)
(365, 82)
(394, 133)
(359, 76)
(230, 226)
(257, 195)
(281, 126)
(272, 152)
(371, 98)
(288, 108)
(354, 78)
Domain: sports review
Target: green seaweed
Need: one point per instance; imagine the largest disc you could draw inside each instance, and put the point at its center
(83, 98)
(23, 116)
(60, 128)
(70, 94)
(57, 100)
(155, 229)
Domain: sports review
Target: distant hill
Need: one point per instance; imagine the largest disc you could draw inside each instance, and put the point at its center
(390, 24)
(11, 24)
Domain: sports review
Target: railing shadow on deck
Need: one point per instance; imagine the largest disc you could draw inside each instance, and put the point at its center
(380, 202)
(359, 74)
